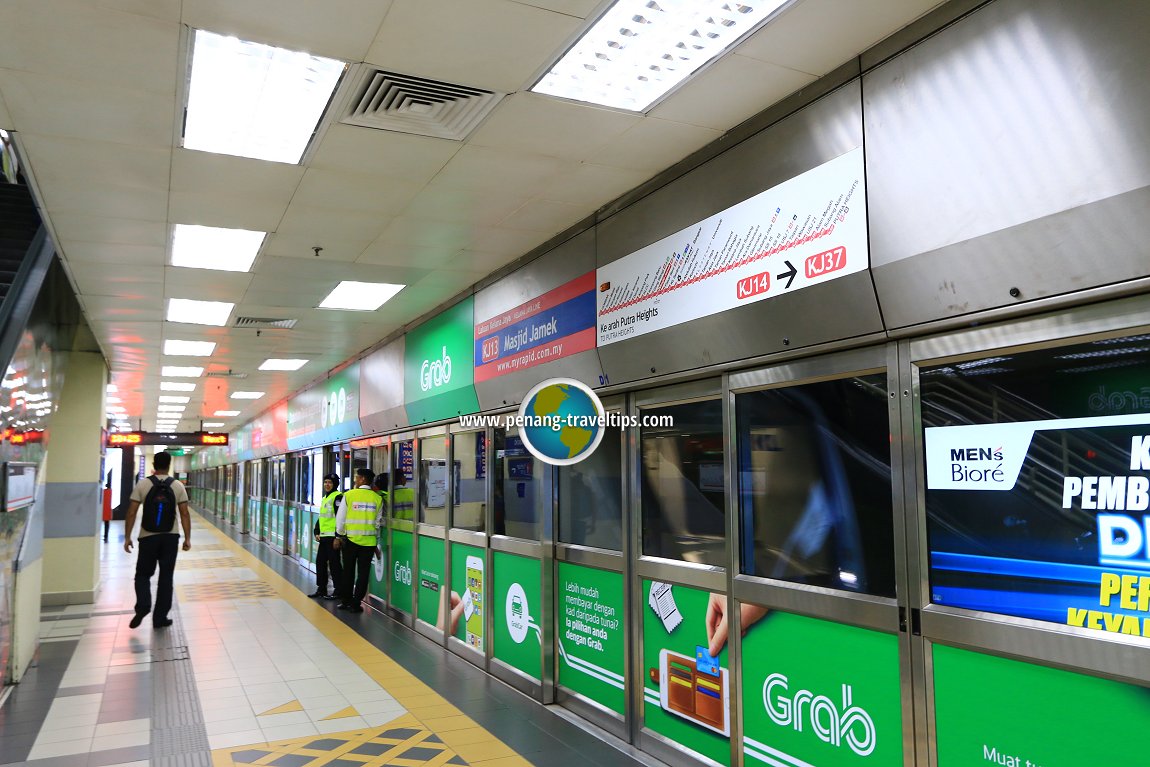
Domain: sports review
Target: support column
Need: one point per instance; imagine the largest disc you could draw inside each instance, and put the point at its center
(73, 485)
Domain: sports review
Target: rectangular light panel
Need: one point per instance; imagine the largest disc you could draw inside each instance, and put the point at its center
(175, 400)
(226, 413)
(247, 394)
(639, 50)
(199, 312)
(189, 348)
(176, 386)
(174, 371)
(276, 364)
(253, 100)
(213, 424)
(210, 247)
(360, 296)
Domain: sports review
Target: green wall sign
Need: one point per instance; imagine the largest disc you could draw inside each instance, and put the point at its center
(994, 711)
(686, 692)
(591, 634)
(822, 693)
(439, 366)
(467, 585)
(430, 578)
(399, 568)
(517, 613)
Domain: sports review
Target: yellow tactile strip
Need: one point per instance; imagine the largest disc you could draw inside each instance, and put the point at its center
(428, 710)
(210, 563)
(402, 743)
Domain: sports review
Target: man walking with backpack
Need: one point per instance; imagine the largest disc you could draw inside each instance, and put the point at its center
(160, 496)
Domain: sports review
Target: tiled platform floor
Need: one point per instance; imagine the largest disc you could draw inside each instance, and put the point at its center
(254, 672)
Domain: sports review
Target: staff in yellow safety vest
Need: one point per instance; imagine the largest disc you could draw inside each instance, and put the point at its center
(402, 498)
(356, 525)
(326, 556)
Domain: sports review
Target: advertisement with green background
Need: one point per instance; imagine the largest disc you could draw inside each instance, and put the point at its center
(326, 412)
(380, 569)
(996, 711)
(822, 693)
(517, 604)
(690, 702)
(467, 582)
(590, 628)
(430, 577)
(400, 570)
(438, 366)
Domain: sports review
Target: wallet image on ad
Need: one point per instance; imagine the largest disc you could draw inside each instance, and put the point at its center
(696, 688)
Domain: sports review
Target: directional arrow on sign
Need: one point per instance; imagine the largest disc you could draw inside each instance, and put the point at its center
(789, 275)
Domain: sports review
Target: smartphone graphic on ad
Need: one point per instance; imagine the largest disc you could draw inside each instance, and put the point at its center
(473, 602)
(695, 689)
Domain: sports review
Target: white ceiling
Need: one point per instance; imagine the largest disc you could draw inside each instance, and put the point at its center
(92, 89)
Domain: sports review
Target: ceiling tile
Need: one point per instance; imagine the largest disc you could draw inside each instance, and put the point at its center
(59, 162)
(300, 246)
(580, 8)
(197, 172)
(483, 168)
(786, 41)
(477, 262)
(593, 186)
(390, 154)
(140, 308)
(546, 217)
(443, 236)
(355, 192)
(493, 44)
(126, 231)
(74, 39)
(710, 102)
(113, 256)
(512, 243)
(341, 29)
(168, 10)
(470, 206)
(204, 209)
(654, 144)
(95, 278)
(107, 200)
(394, 254)
(206, 284)
(48, 105)
(319, 223)
(528, 122)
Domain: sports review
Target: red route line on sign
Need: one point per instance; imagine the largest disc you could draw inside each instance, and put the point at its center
(719, 270)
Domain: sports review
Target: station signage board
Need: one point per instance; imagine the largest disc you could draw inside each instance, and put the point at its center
(438, 368)
(194, 438)
(807, 230)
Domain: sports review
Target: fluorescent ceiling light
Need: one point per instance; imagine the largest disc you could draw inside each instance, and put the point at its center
(116, 409)
(640, 49)
(113, 399)
(170, 410)
(210, 247)
(253, 100)
(174, 371)
(170, 398)
(213, 424)
(190, 348)
(274, 364)
(360, 296)
(199, 312)
(247, 394)
(226, 413)
(112, 388)
(176, 386)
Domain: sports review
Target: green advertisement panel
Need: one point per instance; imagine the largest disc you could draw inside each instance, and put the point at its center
(439, 366)
(686, 691)
(517, 639)
(380, 569)
(400, 569)
(590, 627)
(816, 692)
(994, 711)
(431, 578)
(467, 594)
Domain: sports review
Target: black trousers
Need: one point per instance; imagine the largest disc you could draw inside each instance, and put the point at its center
(327, 558)
(156, 550)
(356, 570)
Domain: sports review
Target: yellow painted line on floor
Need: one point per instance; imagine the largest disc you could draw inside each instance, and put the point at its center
(406, 688)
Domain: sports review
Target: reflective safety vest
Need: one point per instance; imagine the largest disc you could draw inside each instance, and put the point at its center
(327, 515)
(403, 503)
(363, 506)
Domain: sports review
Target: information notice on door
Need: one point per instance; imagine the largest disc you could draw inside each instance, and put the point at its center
(590, 629)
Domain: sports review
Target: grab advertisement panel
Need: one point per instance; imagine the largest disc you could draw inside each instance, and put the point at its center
(1046, 519)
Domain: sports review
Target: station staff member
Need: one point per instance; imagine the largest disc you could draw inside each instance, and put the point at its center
(402, 497)
(326, 557)
(358, 536)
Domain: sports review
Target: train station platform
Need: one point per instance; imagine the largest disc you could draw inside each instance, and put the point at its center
(252, 671)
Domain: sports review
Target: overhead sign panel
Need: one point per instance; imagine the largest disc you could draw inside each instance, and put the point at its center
(327, 412)
(557, 324)
(128, 439)
(807, 230)
(381, 389)
(439, 376)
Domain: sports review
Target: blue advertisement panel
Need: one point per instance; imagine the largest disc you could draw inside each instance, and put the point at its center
(327, 412)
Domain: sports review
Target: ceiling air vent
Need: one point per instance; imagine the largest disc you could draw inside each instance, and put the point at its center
(264, 322)
(225, 374)
(387, 101)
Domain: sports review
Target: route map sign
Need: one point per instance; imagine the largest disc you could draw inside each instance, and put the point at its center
(807, 230)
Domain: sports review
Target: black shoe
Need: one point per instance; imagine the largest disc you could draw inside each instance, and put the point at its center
(318, 595)
(331, 596)
(137, 619)
(162, 624)
(343, 606)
